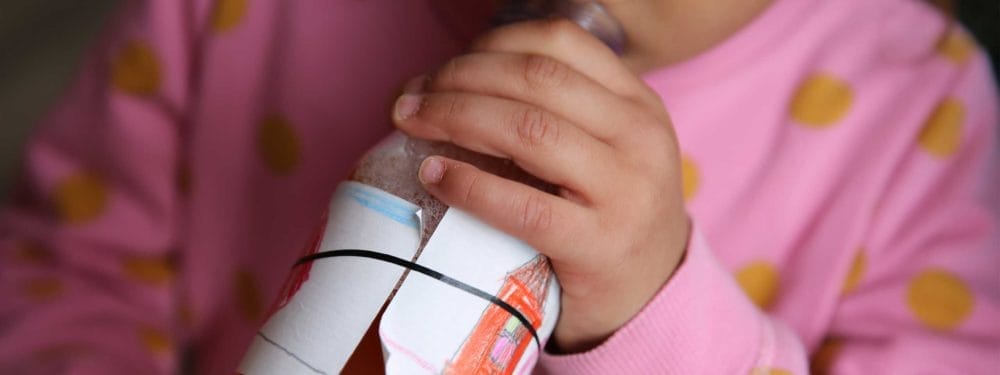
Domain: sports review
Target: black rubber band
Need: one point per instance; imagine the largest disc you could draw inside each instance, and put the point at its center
(430, 273)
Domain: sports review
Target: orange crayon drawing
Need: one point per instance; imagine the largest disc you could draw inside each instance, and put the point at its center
(498, 341)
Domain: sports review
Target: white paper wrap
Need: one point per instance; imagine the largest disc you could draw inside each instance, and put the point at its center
(429, 327)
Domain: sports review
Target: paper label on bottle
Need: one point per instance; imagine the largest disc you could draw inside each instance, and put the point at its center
(335, 301)
(432, 327)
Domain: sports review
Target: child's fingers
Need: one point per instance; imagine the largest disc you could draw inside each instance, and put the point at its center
(567, 42)
(540, 142)
(548, 223)
(545, 82)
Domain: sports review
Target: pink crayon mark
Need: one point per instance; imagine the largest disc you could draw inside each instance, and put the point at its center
(300, 273)
(416, 358)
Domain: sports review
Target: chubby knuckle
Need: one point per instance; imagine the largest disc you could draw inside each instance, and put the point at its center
(646, 120)
(544, 71)
(657, 135)
(447, 107)
(653, 156)
(561, 31)
(468, 190)
(536, 214)
(646, 96)
(452, 72)
(652, 132)
(635, 129)
(537, 127)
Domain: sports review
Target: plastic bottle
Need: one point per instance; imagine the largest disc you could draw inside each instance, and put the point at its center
(294, 340)
(392, 165)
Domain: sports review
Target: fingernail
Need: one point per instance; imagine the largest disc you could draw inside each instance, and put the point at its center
(431, 171)
(415, 85)
(407, 105)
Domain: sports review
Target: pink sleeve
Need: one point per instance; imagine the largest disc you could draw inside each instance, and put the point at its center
(701, 322)
(934, 240)
(87, 247)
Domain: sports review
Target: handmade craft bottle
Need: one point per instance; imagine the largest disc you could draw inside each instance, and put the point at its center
(364, 310)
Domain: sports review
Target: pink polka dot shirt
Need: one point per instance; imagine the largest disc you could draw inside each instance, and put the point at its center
(839, 166)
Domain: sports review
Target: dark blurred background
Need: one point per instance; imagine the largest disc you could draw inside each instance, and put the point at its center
(41, 42)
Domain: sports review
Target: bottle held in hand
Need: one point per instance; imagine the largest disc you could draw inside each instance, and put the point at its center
(393, 271)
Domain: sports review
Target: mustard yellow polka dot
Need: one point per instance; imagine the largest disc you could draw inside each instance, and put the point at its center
(228, 14)
(32, 253)
(956, 46)
(149, 270)
(690, 177)
(822, 360)
(759, 281)
(42, 289)
(857, 271)
(939, 299)
(770, 371)
(80, 198)
(942, 131)
(278, 145)
(136, 69)
(185, 314)
(821, 100)
(248, 298)
(155, 341)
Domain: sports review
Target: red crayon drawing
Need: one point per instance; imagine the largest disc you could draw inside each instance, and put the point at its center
(498, 341)
(300, 273)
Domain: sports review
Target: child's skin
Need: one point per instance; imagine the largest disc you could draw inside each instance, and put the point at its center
(565, 108)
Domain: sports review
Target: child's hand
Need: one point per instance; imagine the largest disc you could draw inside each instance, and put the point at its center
(562, 106)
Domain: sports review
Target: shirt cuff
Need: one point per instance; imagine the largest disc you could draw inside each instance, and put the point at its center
(700, 322)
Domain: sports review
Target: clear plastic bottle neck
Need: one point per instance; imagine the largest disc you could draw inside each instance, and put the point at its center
(591, 15)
